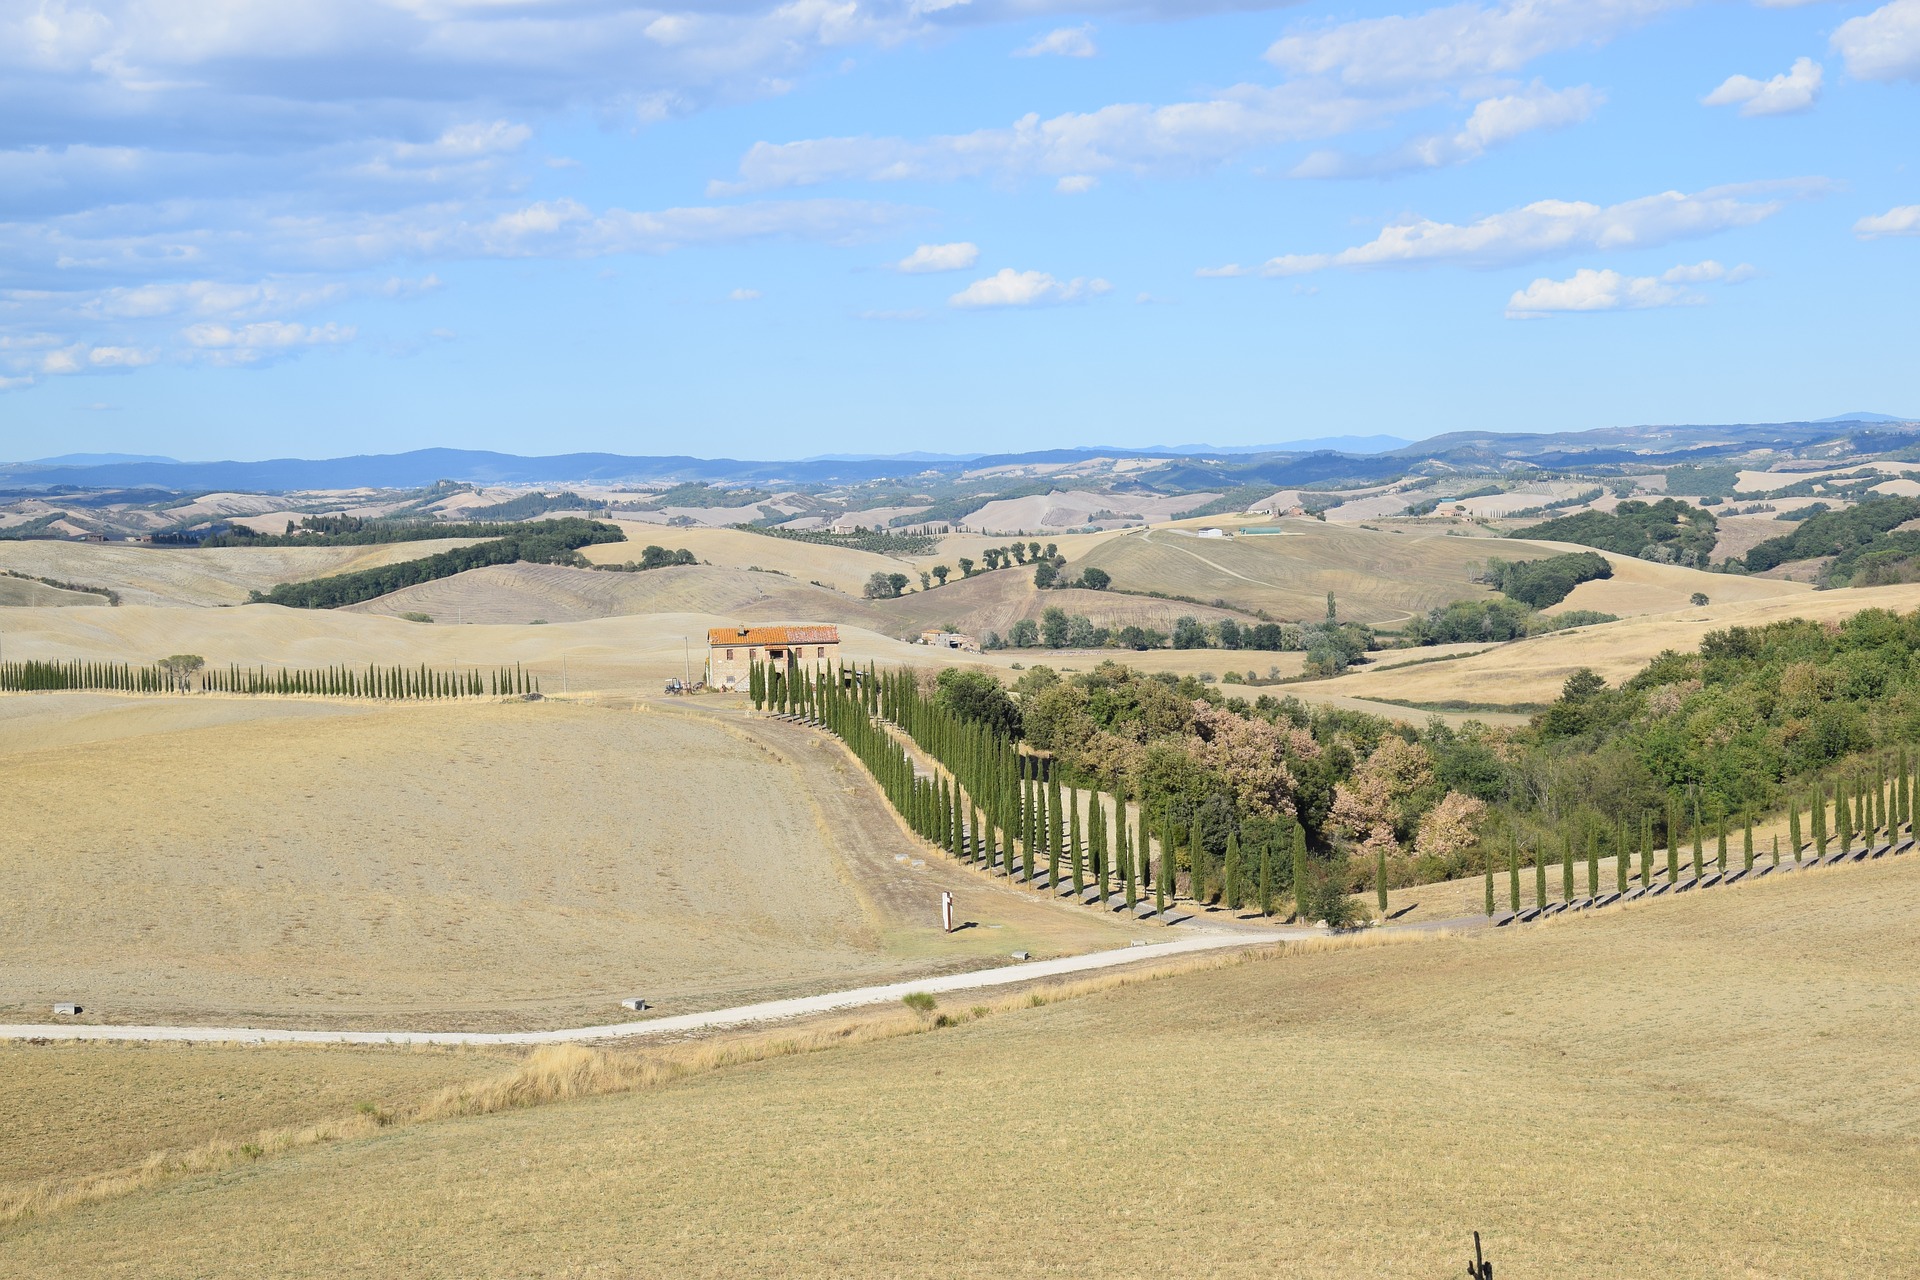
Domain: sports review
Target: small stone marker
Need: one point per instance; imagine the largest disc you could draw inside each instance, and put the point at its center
(1021, 955)
(946, 911)
(1138, 942)
(66, 1010)
(634, 1003)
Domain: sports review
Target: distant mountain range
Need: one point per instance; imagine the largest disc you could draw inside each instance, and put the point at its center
(1186, 468)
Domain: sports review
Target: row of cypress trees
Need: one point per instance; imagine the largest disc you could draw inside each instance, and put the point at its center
(1869, 804)
(338, 681)
(1007, 811)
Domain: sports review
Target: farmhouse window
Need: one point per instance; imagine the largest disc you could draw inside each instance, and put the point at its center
(729, 655)
(821, 652)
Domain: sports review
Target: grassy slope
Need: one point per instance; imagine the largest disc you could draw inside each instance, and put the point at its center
(1533, 670)
(470, 865)
(182, 576)
(1722, 1084)
(16, 593)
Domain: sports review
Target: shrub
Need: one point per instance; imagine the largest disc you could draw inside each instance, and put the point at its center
(918, 1001)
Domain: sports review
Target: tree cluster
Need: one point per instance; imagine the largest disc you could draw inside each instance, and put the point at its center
(542, 542)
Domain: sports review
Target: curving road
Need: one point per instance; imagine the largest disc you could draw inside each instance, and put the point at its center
(743, 1015)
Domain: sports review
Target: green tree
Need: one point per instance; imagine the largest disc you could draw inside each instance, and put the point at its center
(1539, 880)
(1489, 865)
(1266, 877)
(1230, 874)
(1301, 871)
(1380, 877)
(1566, 866)
(1513, 875)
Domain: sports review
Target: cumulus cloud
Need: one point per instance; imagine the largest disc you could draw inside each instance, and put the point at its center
(1066, 42)
(744, 295)
(81, 358)
(1549, 228)
(1901, 221)
(1010, 288)
(262, 341)
(1457, 42)
(1493, 121)
(1074, 184)
(939, 257)
(1793, 90)
(1884, 44)
(1135, 137)
(1591, 290)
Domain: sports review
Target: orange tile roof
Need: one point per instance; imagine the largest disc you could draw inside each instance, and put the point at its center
(720, 636)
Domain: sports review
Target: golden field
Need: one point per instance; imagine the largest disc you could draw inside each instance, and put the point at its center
(1719, 1084)
(461, 865)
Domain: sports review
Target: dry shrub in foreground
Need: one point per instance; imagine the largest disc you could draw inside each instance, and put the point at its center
(560, 1073)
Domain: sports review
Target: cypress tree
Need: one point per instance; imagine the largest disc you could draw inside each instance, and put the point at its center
(1103, 848)
(1140, 848)
(1489, 864)
(1673, 843)
(1593, 860)
(1230, 873)
(1696, 838)
(1163, 886)
(1843, 817)
(1074, 850)
(1055, 841)
(1266, 874)
(1746, 847)
(1566, 866)
(1903, 790)
(1513, 874)
(1539, 879)
(1793, 825)
(1622, 856)
(1129, 885)
(1199, 874)
(1301, 871)
(1720, 847)
(1819, 820)
(1646, 850)
(1776, 852)
(1380, 878)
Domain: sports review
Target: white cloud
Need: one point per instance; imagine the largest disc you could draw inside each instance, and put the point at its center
(1066, 42)
(1591, 290)
(80, 358)
(14, 384)
(1228, 272)
(1794, 90)
(1458, 42)
(939, 257)
(1548, 228)
(1074, 184)
(1135, 137)
(744, 295)
(1010, 288)
(1901, 221)
(1884, 44)
(1493, 121)
(253, 343)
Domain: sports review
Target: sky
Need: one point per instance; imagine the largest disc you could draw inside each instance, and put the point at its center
(250, 229)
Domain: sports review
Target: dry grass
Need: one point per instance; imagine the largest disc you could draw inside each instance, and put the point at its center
(150, 1092)
(89, 1121)
(1531, 671)
(187, 576)
(1722, 1084)
(466, 865)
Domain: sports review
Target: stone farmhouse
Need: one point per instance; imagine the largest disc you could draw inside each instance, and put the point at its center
(731, 651)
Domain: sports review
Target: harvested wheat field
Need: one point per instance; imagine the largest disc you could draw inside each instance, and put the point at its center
(1533, 670)
(1376, 577)
(619, 654)
(201, 576)
(473, 865)
(1723, 1084)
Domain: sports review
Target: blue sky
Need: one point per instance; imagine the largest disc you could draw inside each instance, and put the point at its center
(317, 227)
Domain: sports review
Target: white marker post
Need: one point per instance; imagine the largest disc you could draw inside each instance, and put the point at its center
(946, 911)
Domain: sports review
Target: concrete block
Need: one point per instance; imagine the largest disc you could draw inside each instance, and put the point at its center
(1881, 850)
(1022, 955)
(1503, 919)
(1606, 900)
(1713, 878)
(1654, 891)
(1738, 873)
(1634, 894)
(1684, 885)
(1553, 908)
(1529, 913)
(1906, 843)
(634, 1003)
(64, 1010)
